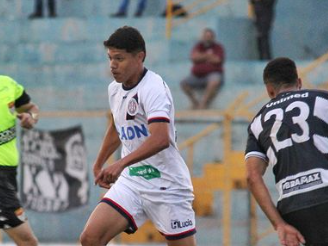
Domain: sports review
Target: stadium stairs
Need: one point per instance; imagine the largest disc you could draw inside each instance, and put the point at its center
(213, 179)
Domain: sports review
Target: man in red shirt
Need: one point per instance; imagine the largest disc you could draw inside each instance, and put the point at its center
(207, 71)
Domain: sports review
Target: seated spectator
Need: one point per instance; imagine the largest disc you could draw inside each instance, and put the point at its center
(38, 10)
(123, 9)
(207, 70)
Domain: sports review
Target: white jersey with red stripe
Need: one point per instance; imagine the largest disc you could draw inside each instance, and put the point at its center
(133, 109)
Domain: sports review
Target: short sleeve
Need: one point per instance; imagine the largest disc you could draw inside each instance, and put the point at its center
(253, 147)
(19, 95)
(18, 89)
(156, 102)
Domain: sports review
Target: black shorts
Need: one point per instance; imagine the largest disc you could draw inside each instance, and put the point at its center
(312, 223)
(11, 218)
(11, 211)
(8, 188)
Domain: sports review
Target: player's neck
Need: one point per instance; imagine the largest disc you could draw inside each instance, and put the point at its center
(287, 89)
(135, 79)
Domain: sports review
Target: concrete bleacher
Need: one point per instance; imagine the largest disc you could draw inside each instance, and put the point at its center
(84, 8)
(64, 66)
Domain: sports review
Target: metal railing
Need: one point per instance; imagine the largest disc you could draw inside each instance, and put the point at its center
(193, 9)
(233, 111)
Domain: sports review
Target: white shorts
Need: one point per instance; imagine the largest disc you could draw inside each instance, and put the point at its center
(170, 210)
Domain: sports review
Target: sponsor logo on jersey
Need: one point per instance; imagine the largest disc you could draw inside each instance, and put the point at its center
(302, 182)
(146, 171)
(132, 132)
(284, 99)
(7, 135)
(178, 224)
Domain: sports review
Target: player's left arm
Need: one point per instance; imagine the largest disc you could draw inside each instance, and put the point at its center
(157, 141)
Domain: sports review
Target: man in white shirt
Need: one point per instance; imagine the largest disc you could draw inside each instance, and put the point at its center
(151, 180)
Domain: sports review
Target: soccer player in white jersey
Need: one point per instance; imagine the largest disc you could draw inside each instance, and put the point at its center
(151, 180)
(290, 134)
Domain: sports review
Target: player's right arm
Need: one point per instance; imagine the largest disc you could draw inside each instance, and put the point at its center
(256, 167)
(109, 144)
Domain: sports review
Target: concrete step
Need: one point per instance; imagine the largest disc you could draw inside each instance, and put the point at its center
(85, 8)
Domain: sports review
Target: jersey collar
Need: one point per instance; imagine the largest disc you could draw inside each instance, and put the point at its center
(142, 76)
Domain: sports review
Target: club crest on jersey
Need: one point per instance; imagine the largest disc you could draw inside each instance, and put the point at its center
(133, 107)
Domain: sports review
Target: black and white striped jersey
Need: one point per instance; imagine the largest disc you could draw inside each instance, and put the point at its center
(291, 134)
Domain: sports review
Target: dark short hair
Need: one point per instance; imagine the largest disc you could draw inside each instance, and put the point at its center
(126, 38)
(280, 71)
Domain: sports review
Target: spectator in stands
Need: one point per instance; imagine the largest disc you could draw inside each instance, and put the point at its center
(123, 9)
(207, 70)
(38, 10)
(264, 14)
(15, 104)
